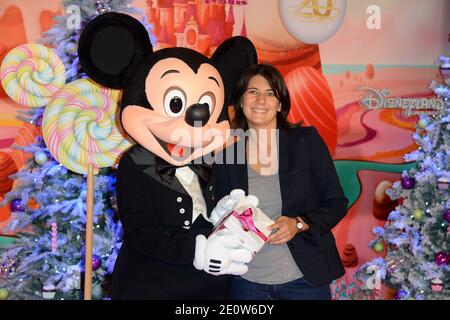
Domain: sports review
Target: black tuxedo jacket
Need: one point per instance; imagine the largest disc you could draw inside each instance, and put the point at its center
(156, 257)
(309, 188)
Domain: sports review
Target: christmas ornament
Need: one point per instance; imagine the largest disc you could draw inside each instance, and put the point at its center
(447, 215)
(4, 293)
(407, 183)
(443, 226)
(379, 247)
(54, 237)
(16, 205)
(437, 285)
(33, 204)
(440, 258)
(401, 294)
(39, 121)
(96, 262)
(422, 123)
(40, 158)
(442, 183)
(418, 214)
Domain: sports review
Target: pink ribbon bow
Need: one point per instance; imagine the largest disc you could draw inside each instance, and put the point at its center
(246, 220)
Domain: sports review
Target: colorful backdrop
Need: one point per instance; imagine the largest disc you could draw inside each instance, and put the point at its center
(326, 49)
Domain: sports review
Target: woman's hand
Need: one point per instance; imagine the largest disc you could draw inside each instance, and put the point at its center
(287, 229)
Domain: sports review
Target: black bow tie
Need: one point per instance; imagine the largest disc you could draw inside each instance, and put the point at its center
(167, 171)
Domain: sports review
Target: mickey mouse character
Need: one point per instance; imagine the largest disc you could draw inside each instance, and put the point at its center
(169, 96)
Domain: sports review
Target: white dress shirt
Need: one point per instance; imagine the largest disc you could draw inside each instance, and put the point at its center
(189, 181)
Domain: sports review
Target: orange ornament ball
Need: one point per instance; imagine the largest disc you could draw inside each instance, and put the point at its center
(312, 103)
(7, 168)
(33, 204)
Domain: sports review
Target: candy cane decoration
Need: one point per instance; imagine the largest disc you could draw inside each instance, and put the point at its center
(54, 236)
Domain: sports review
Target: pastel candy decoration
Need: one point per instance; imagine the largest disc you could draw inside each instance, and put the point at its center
(32, 74)
(80, 127)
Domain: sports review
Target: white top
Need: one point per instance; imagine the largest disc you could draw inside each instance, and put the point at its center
(189, 181)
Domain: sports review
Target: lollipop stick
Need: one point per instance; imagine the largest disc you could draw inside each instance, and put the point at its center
(89, 227)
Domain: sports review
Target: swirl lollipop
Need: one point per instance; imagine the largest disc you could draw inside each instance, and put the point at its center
(32, 74)
(79, 124)
(80, 130)
(79, 127)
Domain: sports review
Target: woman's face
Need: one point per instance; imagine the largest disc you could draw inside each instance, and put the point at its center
(259, 103)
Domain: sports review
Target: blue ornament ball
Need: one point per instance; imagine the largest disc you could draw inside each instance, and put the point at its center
(407, 183)
(447, 215)
(16, 205)
(401, 294)
(40, 158)
(96, 262)
(39, 121)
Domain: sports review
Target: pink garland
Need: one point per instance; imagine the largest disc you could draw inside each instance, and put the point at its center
(54, 237)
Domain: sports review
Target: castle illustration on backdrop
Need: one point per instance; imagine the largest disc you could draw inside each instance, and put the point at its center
(196, 24)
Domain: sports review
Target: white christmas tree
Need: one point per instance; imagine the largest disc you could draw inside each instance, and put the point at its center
(416, 236)
(48, 202)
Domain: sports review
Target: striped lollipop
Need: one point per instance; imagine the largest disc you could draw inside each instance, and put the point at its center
(32, 74)
(80, 128)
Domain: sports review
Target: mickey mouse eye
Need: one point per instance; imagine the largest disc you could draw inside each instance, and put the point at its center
(174, 102)
(209, 99)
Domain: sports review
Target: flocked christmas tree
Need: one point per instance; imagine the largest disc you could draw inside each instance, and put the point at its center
(48, 202)
(417, 235)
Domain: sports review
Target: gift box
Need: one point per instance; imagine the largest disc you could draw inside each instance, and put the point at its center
(248, 223)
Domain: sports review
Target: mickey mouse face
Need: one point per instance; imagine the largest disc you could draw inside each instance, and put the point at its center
(173, 99)
(181, 124)
(176, 96)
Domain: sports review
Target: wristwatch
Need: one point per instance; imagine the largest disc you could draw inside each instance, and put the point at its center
(300, 225)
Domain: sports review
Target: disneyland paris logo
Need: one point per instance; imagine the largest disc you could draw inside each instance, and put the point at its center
(379, 99)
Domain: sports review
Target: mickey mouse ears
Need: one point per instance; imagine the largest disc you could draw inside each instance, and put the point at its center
(109, 47)
(233, 56)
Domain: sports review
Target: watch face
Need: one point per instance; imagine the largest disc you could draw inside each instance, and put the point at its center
(300, 225)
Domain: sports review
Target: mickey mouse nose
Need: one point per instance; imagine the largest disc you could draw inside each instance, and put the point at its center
(197, 115)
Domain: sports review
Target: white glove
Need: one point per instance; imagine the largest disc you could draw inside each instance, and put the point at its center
(228, 203)
(221, 254)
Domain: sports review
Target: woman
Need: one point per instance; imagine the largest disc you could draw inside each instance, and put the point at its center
(292, 174)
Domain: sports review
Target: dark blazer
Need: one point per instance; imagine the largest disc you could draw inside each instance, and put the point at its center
(156, 257)
(309, 188)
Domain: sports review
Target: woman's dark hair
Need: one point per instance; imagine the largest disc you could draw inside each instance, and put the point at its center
(276, 82)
